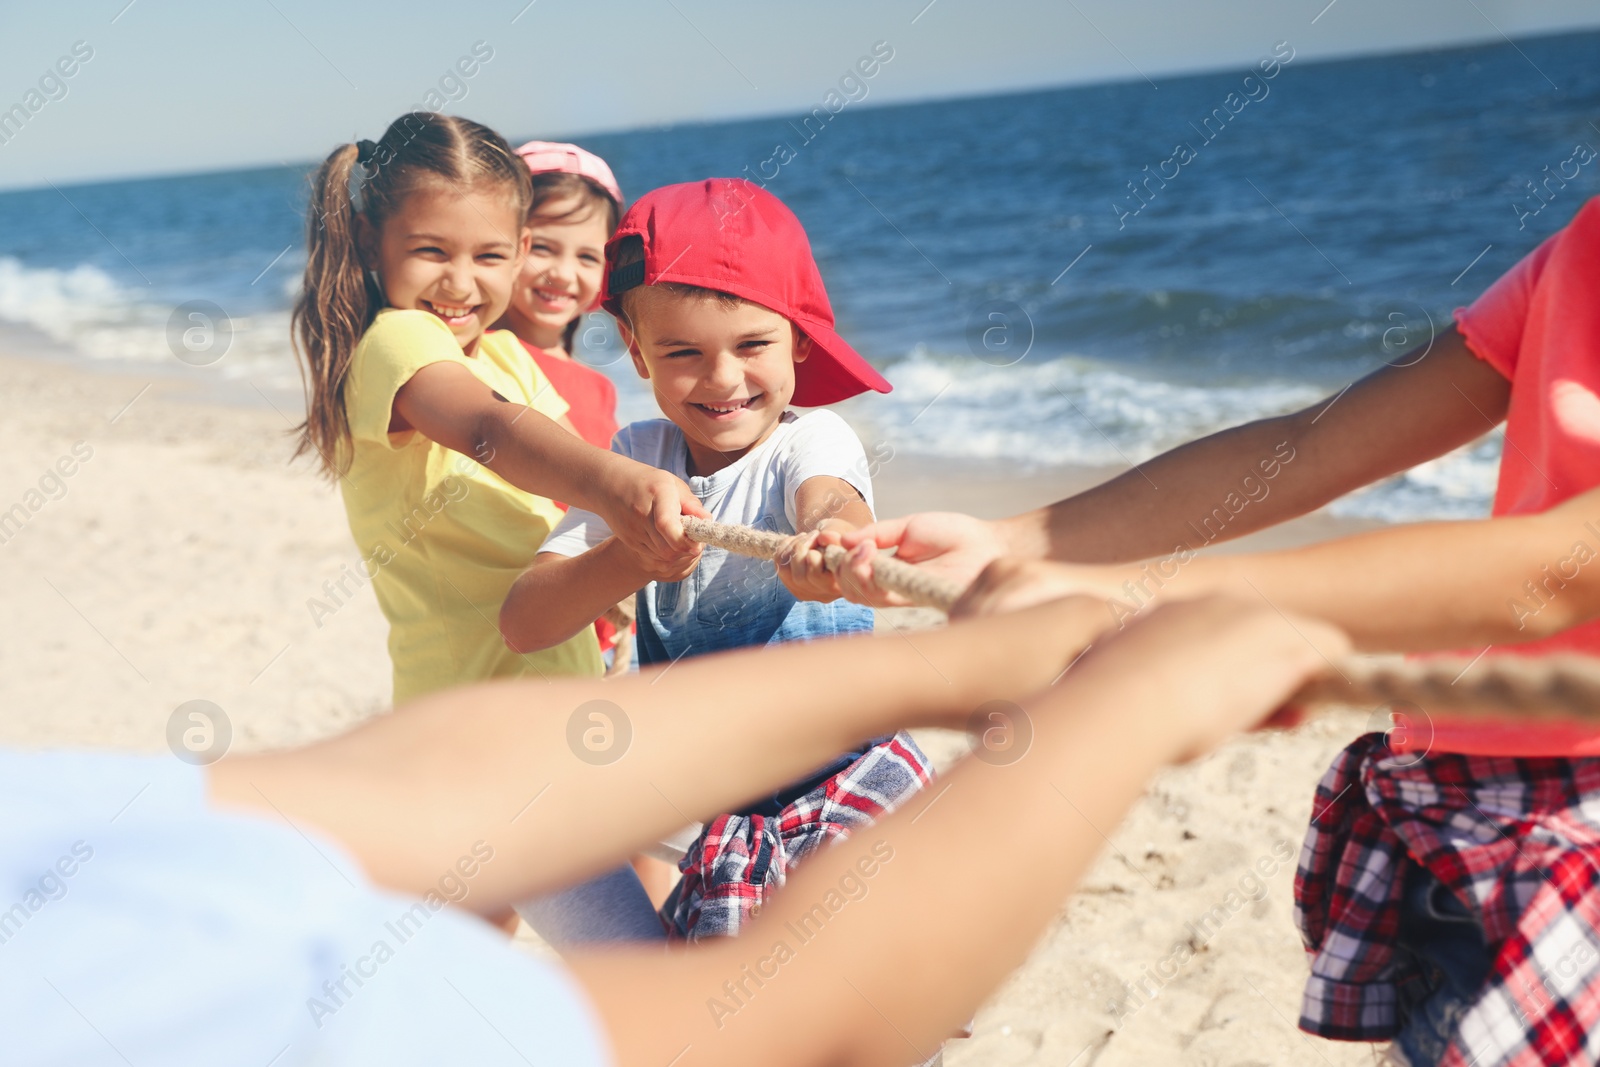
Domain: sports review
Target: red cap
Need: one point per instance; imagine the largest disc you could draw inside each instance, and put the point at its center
(732, 235)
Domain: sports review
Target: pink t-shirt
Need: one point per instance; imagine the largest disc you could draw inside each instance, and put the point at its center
(1539, 325)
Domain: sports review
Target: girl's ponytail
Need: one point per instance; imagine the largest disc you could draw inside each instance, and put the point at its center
(336, 305)
(340, 299)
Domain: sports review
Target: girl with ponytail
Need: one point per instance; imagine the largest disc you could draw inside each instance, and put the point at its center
(448, 442)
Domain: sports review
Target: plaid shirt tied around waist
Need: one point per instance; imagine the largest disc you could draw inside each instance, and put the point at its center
(738, 859)
(1516, 840)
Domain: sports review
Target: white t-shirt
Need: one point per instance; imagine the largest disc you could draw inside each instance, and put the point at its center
(733, 601)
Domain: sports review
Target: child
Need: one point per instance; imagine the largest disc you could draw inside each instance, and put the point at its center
(723, 311)
(575, 209)
(1446, 898)
(442, 434)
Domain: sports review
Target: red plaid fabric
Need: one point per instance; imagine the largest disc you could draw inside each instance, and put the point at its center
(1517, 840)
(738, 859)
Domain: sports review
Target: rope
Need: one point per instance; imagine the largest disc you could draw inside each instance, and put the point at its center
(915, 585)
(1563, 688)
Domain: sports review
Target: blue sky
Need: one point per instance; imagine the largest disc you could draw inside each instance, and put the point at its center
(178, 85)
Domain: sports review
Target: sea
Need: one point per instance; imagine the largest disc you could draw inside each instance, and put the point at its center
(1083, 276)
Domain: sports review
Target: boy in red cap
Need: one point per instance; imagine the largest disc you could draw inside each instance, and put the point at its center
(724, 312)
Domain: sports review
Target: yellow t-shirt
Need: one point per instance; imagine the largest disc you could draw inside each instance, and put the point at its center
(443, 537)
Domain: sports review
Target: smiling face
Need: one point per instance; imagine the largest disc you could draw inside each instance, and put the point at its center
(722, 371)
(452, 254)
(561, 276)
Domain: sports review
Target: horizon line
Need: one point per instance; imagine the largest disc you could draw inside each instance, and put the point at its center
(1174, 73)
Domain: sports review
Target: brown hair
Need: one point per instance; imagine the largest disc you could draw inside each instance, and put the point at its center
(554, 186)
(339, 299)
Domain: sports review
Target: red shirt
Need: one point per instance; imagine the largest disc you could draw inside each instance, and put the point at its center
(592, 407)
(591, 395)
(1539, 325)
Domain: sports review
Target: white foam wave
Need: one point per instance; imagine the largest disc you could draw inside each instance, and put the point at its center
(1077, 411)
(1036, 413)
(88, 311)
(1059, 411)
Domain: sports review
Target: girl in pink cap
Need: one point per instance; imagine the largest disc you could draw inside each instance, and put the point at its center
(576, 206)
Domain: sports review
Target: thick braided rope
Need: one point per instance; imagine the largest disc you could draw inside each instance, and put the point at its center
(1563, 688)
(1555, 687)
(917, 586)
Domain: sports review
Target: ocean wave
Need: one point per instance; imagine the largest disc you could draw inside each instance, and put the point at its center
(87, 311)
(1068, 410)
(1078, 411)
(1039, 412)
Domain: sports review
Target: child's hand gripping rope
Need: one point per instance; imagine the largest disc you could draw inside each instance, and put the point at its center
(889, 573)
(644, 504)
(1552, 688)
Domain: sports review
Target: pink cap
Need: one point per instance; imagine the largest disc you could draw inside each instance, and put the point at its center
(545, 157)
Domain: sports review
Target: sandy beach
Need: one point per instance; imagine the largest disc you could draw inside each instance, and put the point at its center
(166, 551)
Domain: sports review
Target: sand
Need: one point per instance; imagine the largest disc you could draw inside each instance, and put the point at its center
(177, 561)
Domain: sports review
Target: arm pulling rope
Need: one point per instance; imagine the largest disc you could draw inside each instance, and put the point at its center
(915, 585)
(1564, 688)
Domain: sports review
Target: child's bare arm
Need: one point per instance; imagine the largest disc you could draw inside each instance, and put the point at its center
(559, 596)
(1426, 403)
(826, 507)
(1407, 588)
(409, 793)
(448, 404)
(849, 921)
